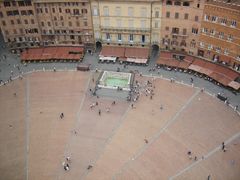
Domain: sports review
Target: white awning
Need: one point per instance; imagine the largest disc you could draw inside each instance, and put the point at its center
(107, 58)
(136, 60)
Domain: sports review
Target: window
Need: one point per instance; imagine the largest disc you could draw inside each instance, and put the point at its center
(156, 14)
(156, 24)
(212, 32)
(12, 22)
(1, 15)
(85, 23)
(6, 4)
(49, 24)
(193, 43)
(18, 21)
(105, 11)
(32, 21)
(221, 35)
(56, 23)
(210, 47)
(28, 3)
(53, 10)
(108, 36)
(21, 31)
(15, 12)
(61, 18)
(196, 18)
(218, 49)
(77, 23)
(95, 11)
(214, 19)
(184, 31)
(226, 51)
(20, 3)
(130, 11)
(131, 37)
(143, 12)
(177, 3)
(143, 38)
(201, 44)
(206, 17)
(9, 13)
(195, 30)
(233, 23)
(84, 11)
(168, 14)
(175, 30)
(42, 23)
(176, 15)
(143, 23)
(60, 10)
(198, 5)
(204, 30)
(230, 37)
(30, 12)
(185, 3)
(118, 11)
(6, 32)
(3, 23)
(55, 18)
(46, 10)
(76, 12)
(26, 21)
(67, 11)
(169, 3)
(167, 28)
(186, 16)
(119, 37)
(70, 23)
(14, 31)
(23, 12)
(223, 21)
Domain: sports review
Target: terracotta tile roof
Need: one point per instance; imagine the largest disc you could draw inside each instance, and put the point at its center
(52, 53)
(112, 51)
(132, 52)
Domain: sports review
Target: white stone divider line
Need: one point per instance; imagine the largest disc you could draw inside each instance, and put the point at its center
(78, 117)
(206, 156)
(157, 135)
(109, 139)
(193, 86)
(27, 105)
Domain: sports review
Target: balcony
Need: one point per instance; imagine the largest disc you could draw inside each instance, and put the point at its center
(125, 29)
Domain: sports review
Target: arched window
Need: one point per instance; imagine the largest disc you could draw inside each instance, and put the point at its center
(177, 3)
(185, 3)
(169, 3)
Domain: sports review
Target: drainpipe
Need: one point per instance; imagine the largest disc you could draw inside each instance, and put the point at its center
(151, 29)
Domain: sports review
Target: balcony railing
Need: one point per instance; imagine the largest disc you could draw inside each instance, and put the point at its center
(125, 29)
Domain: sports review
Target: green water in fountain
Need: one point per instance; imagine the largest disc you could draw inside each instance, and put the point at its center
(116, 82)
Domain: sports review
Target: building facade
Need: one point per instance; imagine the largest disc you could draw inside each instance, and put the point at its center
(19, 24)
(181, 22)
(46, 23)
(131, 23)
(220, 32)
